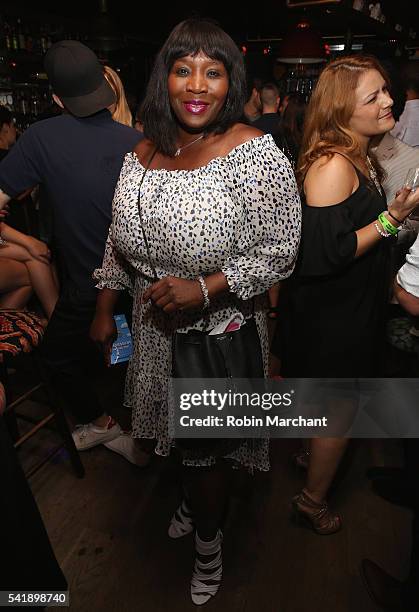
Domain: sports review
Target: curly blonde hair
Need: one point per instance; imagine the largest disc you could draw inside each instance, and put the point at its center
(326, 126)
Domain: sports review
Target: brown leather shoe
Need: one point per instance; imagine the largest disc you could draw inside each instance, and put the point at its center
(384, 590)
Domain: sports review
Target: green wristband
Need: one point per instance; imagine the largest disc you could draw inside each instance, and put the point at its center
(387, 226)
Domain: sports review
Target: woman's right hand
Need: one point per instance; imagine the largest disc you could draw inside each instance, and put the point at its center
(103, 332)
(404, 203)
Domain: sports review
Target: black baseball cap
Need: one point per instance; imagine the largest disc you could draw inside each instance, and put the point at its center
(77, 78)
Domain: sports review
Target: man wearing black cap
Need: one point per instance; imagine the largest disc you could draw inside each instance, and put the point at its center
(77, 157)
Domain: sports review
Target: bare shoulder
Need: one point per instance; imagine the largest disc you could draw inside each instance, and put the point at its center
(243, 132)
(238, 134)
(330, 180)
(144, 149)
(326, 166)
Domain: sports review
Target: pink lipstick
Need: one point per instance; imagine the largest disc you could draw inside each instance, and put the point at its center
(196, 107)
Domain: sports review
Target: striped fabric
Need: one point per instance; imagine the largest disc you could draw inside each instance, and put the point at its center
(396, 158)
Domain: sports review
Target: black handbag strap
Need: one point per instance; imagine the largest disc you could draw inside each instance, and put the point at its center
(152, 266)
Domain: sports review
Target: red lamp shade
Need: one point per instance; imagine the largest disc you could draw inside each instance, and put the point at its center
(302, 45)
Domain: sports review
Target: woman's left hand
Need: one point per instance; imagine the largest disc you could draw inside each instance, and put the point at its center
(172, 294)
(39, 250)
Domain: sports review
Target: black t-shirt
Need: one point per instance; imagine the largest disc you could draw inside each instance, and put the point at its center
(269, 123)
(77, 160)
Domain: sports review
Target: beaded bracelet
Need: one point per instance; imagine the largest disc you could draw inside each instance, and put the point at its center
(205, 293)
(387, 225)
(381, 232)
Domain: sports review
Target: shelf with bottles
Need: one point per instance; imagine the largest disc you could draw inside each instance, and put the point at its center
(22, 38)
(26, 101)
(31, 40)
(301, 79)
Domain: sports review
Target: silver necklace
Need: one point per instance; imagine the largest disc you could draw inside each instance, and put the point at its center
(180, 149)
(373, 176)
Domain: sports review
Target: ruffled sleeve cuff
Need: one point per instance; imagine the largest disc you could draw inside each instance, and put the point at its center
(115, 273)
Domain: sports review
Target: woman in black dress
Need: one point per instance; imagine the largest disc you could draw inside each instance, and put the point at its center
(334, 305)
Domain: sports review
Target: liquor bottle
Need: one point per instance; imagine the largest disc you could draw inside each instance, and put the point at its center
(7, 36)
(15, 40)
(44, 43)
(35, 103)
(291, 82)
(20, 35)
(45, 100)
(36, 43)
(23, 104)
(28, 39)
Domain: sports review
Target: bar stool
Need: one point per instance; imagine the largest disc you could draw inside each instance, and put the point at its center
(21, 332)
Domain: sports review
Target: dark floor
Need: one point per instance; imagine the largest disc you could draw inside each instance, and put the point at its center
(108, 531)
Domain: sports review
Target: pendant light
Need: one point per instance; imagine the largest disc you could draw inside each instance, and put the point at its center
(104, 37)
(302, 45)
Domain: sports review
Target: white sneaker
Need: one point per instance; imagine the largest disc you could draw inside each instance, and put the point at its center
(90, 435)
(126, 446)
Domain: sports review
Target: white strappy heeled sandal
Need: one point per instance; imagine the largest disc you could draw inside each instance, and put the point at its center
(181, 522)
(205, 583)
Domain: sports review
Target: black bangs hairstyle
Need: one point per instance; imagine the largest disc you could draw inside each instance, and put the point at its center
(189, 38)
